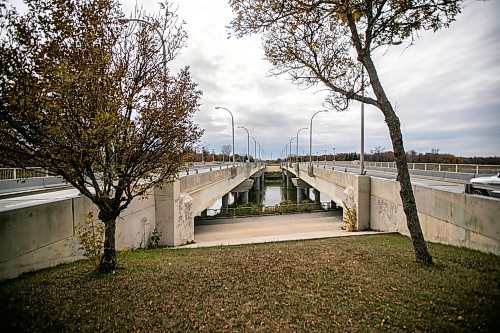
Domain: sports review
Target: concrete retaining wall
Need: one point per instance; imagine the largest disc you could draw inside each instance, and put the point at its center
(45, 235)
(448, 218)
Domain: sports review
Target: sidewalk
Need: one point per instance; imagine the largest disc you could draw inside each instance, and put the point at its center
(275, 228)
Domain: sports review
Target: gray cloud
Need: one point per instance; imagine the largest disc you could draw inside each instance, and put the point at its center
(446, 88)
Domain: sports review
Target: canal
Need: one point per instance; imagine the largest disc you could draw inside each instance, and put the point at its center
(272, 193)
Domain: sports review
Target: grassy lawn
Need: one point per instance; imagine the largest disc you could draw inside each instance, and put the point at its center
(361, 284)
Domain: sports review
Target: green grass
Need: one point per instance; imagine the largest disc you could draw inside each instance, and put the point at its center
(361, 284)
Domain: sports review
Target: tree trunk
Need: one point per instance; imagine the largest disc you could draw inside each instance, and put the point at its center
(108, 259)
(408, 199)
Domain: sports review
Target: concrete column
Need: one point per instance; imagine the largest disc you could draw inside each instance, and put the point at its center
(262, 179)
(289, 183)
(244, 198)
(333, 205)
(174, 216)
(225, 203)
(362, 197)
(256, 184)
(317, 197)
(299, 195)
(257, 196)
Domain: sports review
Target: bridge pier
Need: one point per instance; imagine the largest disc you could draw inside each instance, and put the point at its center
(300, 195)
(174, 216)
(289, 183)
(363, 192)
(244, 198)
(317, 197)
(243, 188)
(333, 205)
(225, 203)
(256, 184)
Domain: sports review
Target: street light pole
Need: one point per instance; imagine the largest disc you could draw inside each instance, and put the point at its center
(232, 127)
(254, 148)
(333, 154)
(248, 143)
(291, 155)
(310, 138)
(325, 155)
(297, 144)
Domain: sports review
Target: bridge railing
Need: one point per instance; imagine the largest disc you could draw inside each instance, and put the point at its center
(38, 172)
(18, 173)
(478, 169)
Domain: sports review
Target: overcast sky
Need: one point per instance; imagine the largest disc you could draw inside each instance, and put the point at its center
(446, 88)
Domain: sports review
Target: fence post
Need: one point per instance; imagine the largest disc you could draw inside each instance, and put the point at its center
(14, 173)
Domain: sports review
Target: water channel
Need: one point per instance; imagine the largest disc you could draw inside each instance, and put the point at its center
(271, 194)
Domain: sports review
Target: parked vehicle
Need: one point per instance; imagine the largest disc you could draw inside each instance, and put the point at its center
(488, 186)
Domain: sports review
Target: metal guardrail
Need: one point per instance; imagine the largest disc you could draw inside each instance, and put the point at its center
(478, 169)
(18, 173)
(38, 172)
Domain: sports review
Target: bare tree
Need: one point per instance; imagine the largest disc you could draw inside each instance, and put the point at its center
(330, 43)
(88, 96)
(226, 150)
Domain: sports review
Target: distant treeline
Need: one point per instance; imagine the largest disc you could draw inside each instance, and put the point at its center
(378, 155)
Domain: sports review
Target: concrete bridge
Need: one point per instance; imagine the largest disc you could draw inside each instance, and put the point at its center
(40, 230)
(446, 217)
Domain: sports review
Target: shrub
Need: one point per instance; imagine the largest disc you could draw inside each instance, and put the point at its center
(350, 218)
(91, 237)
(155, 238)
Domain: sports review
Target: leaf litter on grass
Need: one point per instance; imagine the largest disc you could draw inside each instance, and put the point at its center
(364, 283)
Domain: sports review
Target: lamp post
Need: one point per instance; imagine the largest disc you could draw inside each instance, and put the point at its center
(333, 154)
(297, 144)
(164, 52)
(254, 148)
(232, 126)
(310, 138)
(290, 151)
(325, 155)
(248, 142)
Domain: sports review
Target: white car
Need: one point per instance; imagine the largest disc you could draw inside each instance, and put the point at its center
(488, 186)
